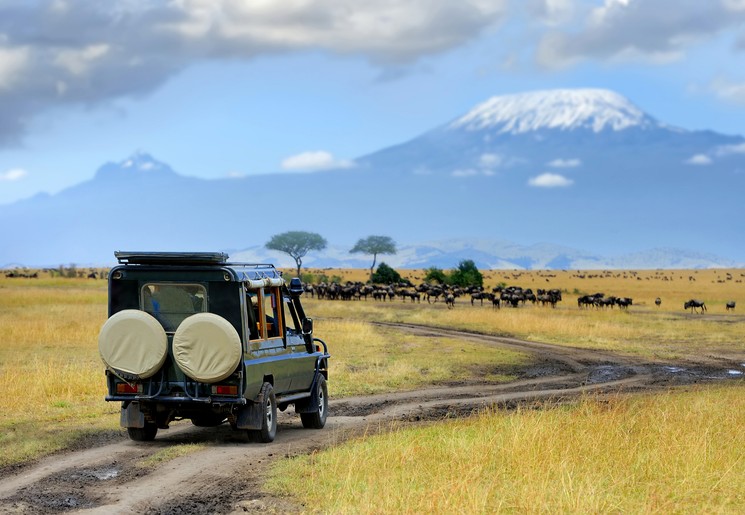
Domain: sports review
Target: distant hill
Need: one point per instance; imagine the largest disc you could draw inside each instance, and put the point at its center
(487, 255)
(580, 169)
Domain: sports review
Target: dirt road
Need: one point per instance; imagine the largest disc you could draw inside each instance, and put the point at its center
(227, 473)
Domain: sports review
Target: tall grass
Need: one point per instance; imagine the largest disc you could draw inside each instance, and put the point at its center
(665, 333)
(667, 453)
(368, 359)
(52, 384)
(51, 378)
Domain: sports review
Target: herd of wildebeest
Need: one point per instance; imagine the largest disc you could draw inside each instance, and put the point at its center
(510, 296)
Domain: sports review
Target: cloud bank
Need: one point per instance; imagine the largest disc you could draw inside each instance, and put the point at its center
(314, 162)
(58, 53)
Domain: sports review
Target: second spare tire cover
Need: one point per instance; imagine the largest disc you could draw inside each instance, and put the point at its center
(133, 343)
(207, 347)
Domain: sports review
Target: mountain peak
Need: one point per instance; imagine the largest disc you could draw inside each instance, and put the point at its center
(140, 163)
(562, 109)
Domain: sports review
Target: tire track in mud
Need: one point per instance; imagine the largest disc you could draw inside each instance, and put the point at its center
(226, 475)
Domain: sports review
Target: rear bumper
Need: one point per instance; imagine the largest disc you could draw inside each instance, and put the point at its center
(176, 399)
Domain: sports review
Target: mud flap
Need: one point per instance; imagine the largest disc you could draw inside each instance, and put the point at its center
(249, 416)
(309, 405)
(131, 416)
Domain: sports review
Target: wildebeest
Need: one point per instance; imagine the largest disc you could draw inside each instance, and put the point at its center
(450, 300)
(657, 302)
(624, 302)
(695, 304)
(731, 305)
(480, 295)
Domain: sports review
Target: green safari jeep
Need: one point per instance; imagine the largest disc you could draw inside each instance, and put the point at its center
(193, 336)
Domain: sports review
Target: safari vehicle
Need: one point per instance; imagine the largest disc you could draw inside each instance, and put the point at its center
(192, 336)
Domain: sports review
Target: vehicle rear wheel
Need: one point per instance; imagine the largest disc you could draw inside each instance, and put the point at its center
(268, 405)
(143, 434)
(317, 419)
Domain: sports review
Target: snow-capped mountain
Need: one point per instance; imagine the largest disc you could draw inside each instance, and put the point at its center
(139, 163)
(563, 109)
(581, 169)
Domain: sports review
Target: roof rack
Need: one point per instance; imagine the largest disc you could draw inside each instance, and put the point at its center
(176, 258)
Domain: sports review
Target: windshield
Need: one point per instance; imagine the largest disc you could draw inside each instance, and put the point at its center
(171, 303)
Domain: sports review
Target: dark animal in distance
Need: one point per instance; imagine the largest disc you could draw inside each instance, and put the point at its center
(657, 302)
(695, 304)
(731, 305)
(450, 300)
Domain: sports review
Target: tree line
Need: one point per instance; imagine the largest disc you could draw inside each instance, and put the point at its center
(297, 244)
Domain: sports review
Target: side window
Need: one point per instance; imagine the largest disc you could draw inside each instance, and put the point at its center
(252, 305)
(272, 312)
(171, 303)
(265, 314)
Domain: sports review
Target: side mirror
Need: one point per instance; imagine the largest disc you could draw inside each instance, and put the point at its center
(296, 287)
(307, 326)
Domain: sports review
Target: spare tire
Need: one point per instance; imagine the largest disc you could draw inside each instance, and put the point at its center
(207, 347)
(133, 344)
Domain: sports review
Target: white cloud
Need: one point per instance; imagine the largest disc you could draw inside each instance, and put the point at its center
(727, 90)
(13, 61)
(464, 172)
(490, 161)
(12, 175)
(550, 180)
(699, 160)
(728, 150)
(56, 53)
(314, 161)
(472, 172)
(655, 31)
(565, 163)
(77, 62)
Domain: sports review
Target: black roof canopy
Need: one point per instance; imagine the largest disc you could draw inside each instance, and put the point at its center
(175, 258)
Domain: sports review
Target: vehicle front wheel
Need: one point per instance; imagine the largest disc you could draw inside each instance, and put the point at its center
(268, 405)
(317, 419)
(143, 434)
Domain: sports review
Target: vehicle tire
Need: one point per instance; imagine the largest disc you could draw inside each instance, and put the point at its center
(317, 419)
(268, 405)
(133, 344)
(207, 348)
(143, 434)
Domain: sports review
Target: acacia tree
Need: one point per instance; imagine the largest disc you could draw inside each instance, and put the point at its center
(375, 245)
(297, 244)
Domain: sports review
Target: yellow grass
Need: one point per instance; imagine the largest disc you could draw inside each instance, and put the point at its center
(666, 333)
(368, 359)
(53, 386)
(667, 453)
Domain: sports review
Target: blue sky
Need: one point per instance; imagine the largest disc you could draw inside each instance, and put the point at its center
(234, 87)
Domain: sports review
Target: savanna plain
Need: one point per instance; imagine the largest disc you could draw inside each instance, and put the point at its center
(665, 448)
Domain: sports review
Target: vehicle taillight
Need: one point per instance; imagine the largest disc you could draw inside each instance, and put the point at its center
(221, 389)
(318, 348)
(129, 388)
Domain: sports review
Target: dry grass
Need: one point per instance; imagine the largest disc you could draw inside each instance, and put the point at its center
(666, 333)
(368, 359)
(53, 387)
(667, 453)
(51, 377)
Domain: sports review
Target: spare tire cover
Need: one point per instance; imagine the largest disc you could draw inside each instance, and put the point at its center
(207, 347)
(134, 343)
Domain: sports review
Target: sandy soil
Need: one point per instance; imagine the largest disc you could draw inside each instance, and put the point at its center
(228, 474)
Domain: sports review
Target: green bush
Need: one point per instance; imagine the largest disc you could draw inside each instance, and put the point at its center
(466, 275)
(435, 275)
(385, 275)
